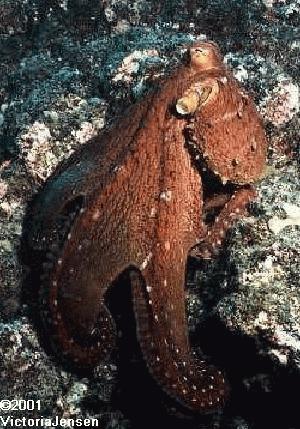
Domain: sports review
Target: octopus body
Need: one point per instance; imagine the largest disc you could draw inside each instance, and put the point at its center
(133, 199)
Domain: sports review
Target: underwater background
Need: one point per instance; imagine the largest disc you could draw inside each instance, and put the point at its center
(67, 68)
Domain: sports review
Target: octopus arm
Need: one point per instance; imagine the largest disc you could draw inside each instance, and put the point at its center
(233, 142)
(235, 208)
(160, 317)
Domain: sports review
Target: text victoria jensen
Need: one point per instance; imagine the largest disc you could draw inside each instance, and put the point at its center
(24, 422)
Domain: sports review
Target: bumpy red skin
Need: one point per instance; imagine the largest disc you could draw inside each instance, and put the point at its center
(143, 204)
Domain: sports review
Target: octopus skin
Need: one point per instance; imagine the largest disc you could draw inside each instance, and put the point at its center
(133, 199)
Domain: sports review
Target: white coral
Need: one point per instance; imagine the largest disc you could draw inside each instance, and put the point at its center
(293, 218)
(35, 146)
(130, 64)
(282, 103)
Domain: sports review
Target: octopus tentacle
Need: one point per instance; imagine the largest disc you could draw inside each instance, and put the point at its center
(158, 291)
(191, 382)
(79, 324)
(72, 292)
(234, 209)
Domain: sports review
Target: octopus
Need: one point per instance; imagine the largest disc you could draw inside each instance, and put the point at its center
(165, 181)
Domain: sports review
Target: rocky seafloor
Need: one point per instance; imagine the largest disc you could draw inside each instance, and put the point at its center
(66, 69)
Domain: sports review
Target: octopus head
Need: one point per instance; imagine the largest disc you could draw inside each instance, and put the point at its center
(205, 56)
